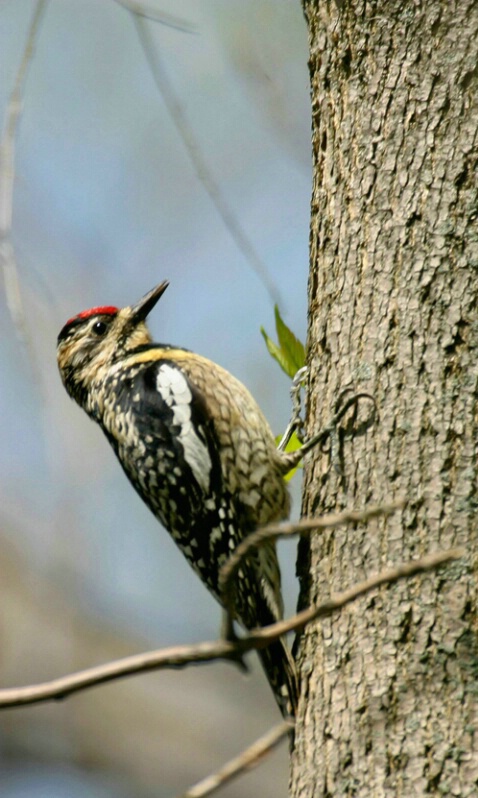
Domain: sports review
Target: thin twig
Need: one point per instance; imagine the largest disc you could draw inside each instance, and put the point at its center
(155, 15)
(198, 160)
(338, 600)
(7, 178)
(305, 526)
(181, 656)
(246, 760)
(174, 657)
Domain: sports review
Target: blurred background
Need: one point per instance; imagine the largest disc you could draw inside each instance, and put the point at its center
(106, 204)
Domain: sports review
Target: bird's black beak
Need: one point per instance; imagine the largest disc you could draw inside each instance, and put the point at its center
(143, 308)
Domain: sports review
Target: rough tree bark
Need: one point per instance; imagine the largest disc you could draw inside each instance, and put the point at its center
(389, 703)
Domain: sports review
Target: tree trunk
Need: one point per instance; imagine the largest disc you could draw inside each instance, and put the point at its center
(389, 703)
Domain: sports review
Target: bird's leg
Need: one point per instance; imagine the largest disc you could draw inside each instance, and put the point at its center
(296, 422)
(331, 431)
(227, 627)
(334, 436)
(229, 633)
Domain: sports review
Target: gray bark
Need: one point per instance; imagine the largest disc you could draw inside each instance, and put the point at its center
(389, 703)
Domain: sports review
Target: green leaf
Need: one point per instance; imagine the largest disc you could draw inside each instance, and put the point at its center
(292, 446)
(289, 352)
(277, 354)
(289, 344)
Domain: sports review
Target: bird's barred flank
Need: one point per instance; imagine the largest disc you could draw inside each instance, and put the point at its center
(198, 450)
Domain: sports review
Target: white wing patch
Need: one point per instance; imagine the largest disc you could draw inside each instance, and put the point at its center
(174, 389)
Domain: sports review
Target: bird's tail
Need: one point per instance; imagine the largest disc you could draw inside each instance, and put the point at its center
(259, 606)
(258, 603)
(281, 673)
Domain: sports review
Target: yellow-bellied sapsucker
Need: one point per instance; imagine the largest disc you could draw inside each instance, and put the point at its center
(195, 445)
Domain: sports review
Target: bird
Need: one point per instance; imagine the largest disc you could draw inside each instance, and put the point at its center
(196, 447)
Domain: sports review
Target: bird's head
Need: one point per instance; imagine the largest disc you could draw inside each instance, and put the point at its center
(99, 337)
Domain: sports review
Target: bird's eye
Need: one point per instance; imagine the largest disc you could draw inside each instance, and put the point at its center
(99, 327)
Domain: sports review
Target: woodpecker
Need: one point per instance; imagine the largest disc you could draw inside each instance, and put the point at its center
(198, 450)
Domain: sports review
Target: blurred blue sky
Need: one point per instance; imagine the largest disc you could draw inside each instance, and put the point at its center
(106, 205)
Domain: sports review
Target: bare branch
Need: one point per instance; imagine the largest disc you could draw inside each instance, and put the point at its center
(305, 526)
(246, 760)
(198, 160)
(7, 177)
(181, 656)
